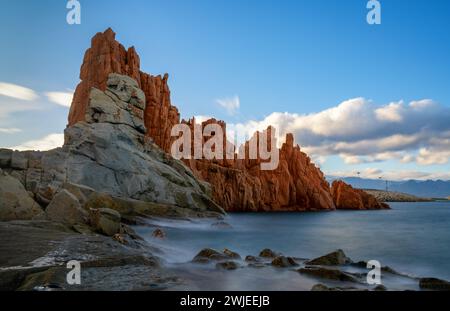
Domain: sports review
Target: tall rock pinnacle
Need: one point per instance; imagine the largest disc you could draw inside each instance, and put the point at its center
(106, 56)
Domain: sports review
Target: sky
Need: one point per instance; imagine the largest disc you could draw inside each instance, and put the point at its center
(372, 99)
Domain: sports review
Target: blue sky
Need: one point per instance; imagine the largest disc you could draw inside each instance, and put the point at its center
(299, 57)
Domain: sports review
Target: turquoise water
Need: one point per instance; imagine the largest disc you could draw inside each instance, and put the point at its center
(413, 238)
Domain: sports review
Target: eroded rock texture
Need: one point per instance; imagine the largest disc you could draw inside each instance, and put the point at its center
(106, 56)
(346, 197)
(108, 153)
(237, 185)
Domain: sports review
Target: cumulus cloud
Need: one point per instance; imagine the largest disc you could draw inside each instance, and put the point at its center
(231, 105)
(361, 132)
(17, 91)
(43, 144)
(60, 98)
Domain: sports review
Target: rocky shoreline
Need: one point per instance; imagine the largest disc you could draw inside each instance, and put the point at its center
(135, 264)
(81, 201)
(390, 196)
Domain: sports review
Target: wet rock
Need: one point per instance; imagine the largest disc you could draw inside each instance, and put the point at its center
(231, 254)
(159, 234)
(209, 254)
(250, 258)
(15, 202)
(105, 221)
(283, 262)
(66, 208)
(227, 265)
(324, 288)
(434, 284)
(268, 253)
(325, 273)
(336, 258)
(119, 238)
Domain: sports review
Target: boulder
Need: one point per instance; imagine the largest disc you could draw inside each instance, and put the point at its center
(208, 254)
(268, 253)
(336, 258)
(66, 208)
(325, 273)
(231, 254)
(15, 202)
(105, 221)
(283, 262)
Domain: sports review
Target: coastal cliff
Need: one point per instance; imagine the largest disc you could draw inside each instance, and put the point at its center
(237, 185)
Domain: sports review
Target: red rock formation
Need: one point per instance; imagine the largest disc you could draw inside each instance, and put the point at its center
(106, 56)
(346, 197)
(240, 184)
(237, 185)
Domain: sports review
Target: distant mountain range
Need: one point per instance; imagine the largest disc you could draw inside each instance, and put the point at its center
(420, 188)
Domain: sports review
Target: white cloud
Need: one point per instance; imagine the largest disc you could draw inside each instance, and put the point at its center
(10, 130)
(361, 132)
(46, 143)
(231, 105)
(391, 112)
(17, 91)
(60, 98)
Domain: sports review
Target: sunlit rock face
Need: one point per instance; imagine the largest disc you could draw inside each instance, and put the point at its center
(346, 197)
(106, 56)
(237, 185)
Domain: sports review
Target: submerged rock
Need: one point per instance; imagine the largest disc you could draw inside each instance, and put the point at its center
(331, 274)
(228, 265)
(208, 254)
(336, 258)
(159, 234)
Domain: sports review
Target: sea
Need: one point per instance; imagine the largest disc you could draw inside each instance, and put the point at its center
(411, 238)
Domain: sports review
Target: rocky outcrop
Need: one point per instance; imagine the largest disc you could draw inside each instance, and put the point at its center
(346, 197)
(296, 185)
(240, 185)
(109, 154)
(106, 56)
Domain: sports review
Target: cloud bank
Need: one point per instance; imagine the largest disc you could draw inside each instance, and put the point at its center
(361, 132)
